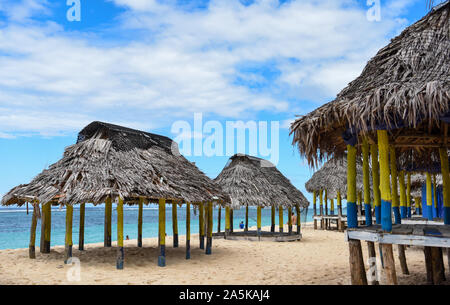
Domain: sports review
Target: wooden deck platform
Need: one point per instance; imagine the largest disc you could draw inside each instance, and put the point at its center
(264, 236)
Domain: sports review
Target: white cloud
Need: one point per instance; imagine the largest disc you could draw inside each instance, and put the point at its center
(186, 61)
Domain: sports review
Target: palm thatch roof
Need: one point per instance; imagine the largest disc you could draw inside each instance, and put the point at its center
(406, 87)
(332, 176)
(110, 160)
(257, 182)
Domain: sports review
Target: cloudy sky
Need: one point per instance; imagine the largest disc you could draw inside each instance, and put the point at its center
(148, 63)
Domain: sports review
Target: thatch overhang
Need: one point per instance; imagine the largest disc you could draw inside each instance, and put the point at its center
(114, 161)
(332, 176)
(257, 182)
(405, 89)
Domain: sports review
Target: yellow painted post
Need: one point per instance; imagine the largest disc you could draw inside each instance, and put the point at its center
(408, 196)
(352, 212)
(32, 245)
(326, 201)
(46, 224)
(188, 230)
(446, 183)
(331, 206)
(162, 233)
(314, 209)
(81, 231)
(201, 223)
(210, 225)
(227, 221)
(376, 182)
(140, 220)
(272, 219)
(385, 185)
(366, 182)
(175, 224)
(403, 206)
(120, 255)
(108, 222)
(394, 190)
(321, 208)
(418, 204)
(68, 242)
(289, 220)
(429, 197)
(258, 220)
(280, 218)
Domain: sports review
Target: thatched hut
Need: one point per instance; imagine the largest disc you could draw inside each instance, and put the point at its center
(110, 163)
(251, 181)
(400, 106)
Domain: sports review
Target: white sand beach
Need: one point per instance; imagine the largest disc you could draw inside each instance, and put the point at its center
(320, 258)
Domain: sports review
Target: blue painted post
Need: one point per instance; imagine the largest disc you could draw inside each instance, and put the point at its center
(366, 182)
(385, 185)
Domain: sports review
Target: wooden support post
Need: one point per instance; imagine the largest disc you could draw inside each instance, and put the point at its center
(258, 220)
(372, 263)
(402, 259)
(385, 186)
(227, 221)
(175, 224)
(32, 245)
(188, 230)
(357, 271)
(201, 219)
(389, 264)
(359, 205)
(436, 265)
(352, 212)
(366, 182)
(246, 219)
(314, 209)
(326, 208)
(321, 209)
(428, 264)
(434, 208)
(272, 219)
(297, 209)
(394, 189)
(445, 183)
(219, 219)
(280, 219)
(339, 204)
(289, 220)
(231, 220)
(403, 197)
(162, 233)
(210, 228)
(81, 231)
(68, 241)
(408, 195)
(429, 197)
(120, 252)
(376, 182)
(140, 220)
(108, 223)
(46, 224)
(331, 206)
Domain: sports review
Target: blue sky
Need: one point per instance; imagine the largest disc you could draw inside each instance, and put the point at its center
(147, 63)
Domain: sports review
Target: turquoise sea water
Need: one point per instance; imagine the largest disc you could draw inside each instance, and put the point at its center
(15, 223)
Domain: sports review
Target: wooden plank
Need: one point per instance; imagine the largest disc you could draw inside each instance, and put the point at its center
(399, 239)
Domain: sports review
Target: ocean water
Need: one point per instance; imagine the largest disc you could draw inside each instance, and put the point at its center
(15, 223)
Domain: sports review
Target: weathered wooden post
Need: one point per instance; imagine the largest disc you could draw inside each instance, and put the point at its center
(258, 220)
(297, 208)
(32, 245)
(372, 263)
(140, 220)
(331, 206)
(231, 220)
(175, 224)
(446, 183)
(376, 182)
(201, 224)
(357, 271)
(46, 224)
(246, 219)
(272, 219)
(227, 221)
(429, 197)
(210, 228)
(280, 218)
(162, 233)
(366, 182)
(188, 230)
(326, 208)
(108, 223)
(408, 195)
(120, 252)
(289, 220)
(394, 192)
(321, 209)
(437, 266)
(68, 241)
(386, 205)
(339, 204)
(219, 219)
(81, 231)
(403, 197)
(314, 210)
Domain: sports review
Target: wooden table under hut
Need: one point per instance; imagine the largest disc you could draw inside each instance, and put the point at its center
(251, 181)
(113, 164)
(330, 182)
(400, 107)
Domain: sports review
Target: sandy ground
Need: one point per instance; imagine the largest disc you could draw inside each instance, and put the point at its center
(320, 258)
